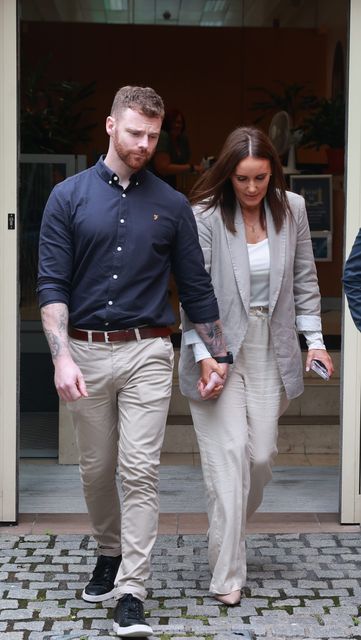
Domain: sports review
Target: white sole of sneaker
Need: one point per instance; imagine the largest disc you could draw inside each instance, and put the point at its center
(135, 631)
(105, 596)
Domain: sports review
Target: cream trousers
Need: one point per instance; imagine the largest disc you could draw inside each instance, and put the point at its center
(237, 437)
(121, 425)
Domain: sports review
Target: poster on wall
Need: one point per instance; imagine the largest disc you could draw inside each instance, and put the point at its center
(317, 192)
(322, 245)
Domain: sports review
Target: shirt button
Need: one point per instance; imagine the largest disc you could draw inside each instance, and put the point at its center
(115, 276)
(106, 324)
(119, 248)
(124, 195)
(122, 220)
(110, 302)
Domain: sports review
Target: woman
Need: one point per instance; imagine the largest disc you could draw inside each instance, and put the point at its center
(256, 243)
(172, 156)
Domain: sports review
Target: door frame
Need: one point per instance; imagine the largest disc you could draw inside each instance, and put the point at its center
(9, 308)
(350, 503)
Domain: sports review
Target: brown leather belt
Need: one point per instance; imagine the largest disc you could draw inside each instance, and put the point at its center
(124, 335)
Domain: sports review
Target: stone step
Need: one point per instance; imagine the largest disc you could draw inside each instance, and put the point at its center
(319, 397)
(297, 434)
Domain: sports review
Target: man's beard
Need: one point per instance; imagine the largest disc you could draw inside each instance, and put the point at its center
(132, 159)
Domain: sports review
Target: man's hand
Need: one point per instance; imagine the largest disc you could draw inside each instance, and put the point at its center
(213, 377)
(69, 380)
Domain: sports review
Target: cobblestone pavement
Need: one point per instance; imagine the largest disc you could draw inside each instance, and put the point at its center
(300, 586)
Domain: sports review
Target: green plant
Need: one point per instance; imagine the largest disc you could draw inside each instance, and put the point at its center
(326, 125)
(51, 113)
(292, 98)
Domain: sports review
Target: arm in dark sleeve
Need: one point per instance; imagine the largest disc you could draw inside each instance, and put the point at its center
(55, 251)
(195, 289)
(352, 281)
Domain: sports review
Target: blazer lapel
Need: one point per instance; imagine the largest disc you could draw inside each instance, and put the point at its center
(277, 248)
(237, 245)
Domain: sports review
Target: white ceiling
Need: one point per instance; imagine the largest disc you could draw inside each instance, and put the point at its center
(216, 13)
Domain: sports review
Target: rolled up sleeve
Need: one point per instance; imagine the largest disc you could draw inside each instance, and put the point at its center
(55, 253)
(194, 283)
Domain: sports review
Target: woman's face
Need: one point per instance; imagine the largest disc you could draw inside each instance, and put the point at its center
(176, 125)
(250, 181)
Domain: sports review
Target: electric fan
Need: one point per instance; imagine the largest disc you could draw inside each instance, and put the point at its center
(284, 139)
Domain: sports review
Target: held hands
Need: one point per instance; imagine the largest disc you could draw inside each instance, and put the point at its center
(213, 377)
(69, 381)
(320, 354)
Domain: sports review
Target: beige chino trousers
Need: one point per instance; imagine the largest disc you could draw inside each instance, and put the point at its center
(121, 426)
(237, 437)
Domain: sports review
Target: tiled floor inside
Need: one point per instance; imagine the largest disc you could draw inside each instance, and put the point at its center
(307, 484)
(303, 496)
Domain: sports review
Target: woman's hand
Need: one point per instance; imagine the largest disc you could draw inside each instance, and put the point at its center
(323, 356)
(213, 377)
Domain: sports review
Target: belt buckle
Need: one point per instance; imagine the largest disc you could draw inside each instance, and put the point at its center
(106, 337)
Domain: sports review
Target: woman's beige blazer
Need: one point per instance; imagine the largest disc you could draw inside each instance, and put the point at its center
(294, 298)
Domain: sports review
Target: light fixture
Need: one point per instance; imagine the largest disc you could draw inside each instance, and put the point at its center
(211, 23)
(116, 5)
(214, 6)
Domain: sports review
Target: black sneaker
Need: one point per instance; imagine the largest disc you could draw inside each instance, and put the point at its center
(101, 585)
(129, 620)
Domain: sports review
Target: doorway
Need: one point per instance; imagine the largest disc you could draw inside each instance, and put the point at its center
(202, 122)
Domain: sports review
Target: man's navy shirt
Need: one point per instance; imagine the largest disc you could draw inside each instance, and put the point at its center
(107, 252)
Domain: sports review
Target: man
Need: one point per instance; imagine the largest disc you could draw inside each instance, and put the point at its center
(109, 238)
(352, 281)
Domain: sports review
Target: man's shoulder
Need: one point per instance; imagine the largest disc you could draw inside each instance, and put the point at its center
(73, 182)
(164, 189)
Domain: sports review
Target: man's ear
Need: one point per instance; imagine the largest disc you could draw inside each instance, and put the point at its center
(109, 125)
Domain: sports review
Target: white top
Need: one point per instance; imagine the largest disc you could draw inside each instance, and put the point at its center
(259, 264)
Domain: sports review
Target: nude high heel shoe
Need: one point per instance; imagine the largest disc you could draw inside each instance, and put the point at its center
(230, 599)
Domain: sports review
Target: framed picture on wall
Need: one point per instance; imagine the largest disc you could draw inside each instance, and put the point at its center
(322, 245)
(317, 192)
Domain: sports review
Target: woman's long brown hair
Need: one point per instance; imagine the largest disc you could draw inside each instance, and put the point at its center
(214, 187)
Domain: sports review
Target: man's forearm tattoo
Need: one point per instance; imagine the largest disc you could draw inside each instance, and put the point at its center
(63, 320)
(212, 336)
(56, 331)
(54, 342)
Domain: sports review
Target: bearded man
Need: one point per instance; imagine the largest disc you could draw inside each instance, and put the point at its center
(110, 237)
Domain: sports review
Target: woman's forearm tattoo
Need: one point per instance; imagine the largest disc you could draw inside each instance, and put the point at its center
(212, 336)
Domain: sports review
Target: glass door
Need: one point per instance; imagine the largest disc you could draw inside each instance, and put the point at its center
(39, 403)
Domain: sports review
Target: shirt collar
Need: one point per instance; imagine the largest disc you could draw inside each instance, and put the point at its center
(109, 176)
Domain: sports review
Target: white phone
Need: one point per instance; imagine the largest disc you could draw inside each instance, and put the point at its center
(318, 367)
